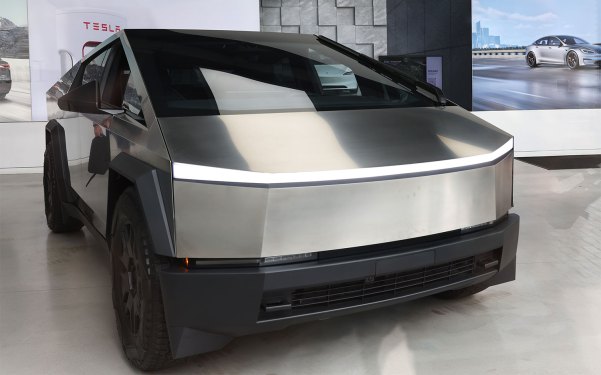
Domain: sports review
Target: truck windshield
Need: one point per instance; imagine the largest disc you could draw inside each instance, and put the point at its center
(190, 73)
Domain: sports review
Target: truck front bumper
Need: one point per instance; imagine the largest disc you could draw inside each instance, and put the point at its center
(206, 307)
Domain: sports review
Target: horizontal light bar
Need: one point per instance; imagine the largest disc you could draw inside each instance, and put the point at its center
(240, 262)
(224, 262)
(185, 171)
(292, 258)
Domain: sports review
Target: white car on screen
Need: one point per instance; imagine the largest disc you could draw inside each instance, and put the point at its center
(563, 49)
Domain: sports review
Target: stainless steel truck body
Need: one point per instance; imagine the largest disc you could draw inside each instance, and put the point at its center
(243, 182)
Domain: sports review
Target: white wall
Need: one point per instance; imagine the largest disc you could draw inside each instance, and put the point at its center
(21, 147)
(550, 132)
(22, 144)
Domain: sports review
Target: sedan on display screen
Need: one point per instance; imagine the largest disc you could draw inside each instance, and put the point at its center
(564, 50)
(243, 182)
(5, 79)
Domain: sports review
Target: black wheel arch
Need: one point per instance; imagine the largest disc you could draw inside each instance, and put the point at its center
(154, 189)
(55, 141)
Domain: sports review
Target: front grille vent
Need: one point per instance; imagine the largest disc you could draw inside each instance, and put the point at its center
(357, 292)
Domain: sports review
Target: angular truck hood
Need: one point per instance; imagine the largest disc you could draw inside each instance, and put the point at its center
(291, 183)
(297, 142)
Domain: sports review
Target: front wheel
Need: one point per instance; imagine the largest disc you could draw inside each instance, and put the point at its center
(531, 60)
(136, 288)
(572, 60)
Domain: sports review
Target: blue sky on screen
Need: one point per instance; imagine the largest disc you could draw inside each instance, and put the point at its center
(521, 22)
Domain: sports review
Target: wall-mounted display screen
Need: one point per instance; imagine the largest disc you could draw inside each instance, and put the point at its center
(15, 98)
(536, 54)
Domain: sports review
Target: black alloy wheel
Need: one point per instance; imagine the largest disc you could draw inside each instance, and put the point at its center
(531, 60)
(572, 60)
(136, 289)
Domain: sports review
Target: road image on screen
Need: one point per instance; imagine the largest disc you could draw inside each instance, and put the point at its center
(15, 98)
(536, 55)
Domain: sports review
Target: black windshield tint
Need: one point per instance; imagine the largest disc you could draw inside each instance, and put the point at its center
(190, 75)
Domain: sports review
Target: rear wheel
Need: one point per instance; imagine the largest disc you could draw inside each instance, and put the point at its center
(531, 60)
(56, 217)
(572, 60)
(463, 292)
(136, 289)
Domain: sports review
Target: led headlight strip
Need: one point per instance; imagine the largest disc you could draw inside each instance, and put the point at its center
(184, 171)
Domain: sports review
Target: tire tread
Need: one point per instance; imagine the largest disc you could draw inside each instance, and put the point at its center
(157, 354)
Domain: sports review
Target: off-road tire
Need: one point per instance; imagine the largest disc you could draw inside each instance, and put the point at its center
(463, 292)
(136, 288)
(57, 219)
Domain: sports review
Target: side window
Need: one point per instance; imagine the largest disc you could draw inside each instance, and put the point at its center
(62, 86)
(94, 70)
(554, 42)
(69, 77)
(542, 42)
(120, 90)
(132, 101)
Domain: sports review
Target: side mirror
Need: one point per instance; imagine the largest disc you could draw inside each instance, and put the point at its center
(100, 155)
(84, 99)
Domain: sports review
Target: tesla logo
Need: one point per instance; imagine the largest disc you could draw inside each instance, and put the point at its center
(99, 26)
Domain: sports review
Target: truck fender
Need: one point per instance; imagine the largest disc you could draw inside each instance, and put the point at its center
(154, 189)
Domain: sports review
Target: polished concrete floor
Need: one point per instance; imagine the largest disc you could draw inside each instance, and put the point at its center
(56, 315)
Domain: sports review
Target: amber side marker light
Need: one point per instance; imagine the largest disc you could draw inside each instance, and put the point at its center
(187, 262)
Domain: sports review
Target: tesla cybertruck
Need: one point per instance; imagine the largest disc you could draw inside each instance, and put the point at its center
(564, 50)
(238, 193)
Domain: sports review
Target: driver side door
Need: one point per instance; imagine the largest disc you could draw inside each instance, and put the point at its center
(106, 135)
(556, 51)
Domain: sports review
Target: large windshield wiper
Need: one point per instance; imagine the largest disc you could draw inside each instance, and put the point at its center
(387, 71)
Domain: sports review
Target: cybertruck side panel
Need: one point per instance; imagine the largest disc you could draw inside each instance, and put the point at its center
(246, 221)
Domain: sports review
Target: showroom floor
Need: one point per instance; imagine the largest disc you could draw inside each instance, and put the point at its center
(56, 314)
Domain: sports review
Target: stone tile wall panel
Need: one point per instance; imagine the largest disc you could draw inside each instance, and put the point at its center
(358, 24)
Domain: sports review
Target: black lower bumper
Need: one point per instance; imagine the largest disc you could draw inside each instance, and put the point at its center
(205, 308)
